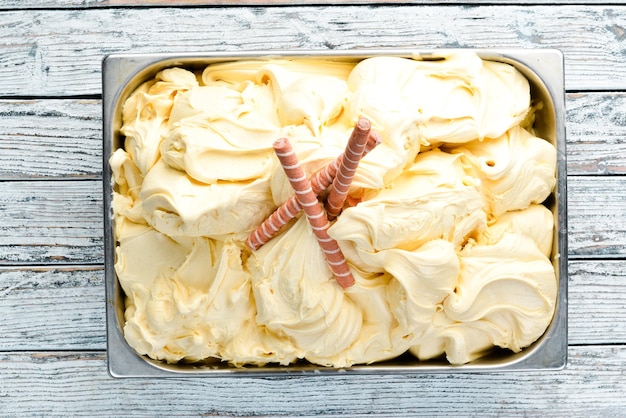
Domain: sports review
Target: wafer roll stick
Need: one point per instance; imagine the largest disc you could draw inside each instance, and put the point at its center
(314, 212)
(281, 216)
(290, 208)
(324, 178)
(349, 164)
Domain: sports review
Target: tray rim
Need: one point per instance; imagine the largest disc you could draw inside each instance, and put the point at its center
(121, 71)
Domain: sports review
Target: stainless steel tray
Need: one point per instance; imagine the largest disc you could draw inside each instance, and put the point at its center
(123, 73)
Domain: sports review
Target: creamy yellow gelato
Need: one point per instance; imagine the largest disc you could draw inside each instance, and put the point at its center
(444, 230)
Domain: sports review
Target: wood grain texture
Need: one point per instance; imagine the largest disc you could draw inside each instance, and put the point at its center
(46, 4)
(596, 133)
(52, 333)
(596, 217)
(56, 222)
(597, 302)
(62, 308)
(73, 384)
(51, 139)
(59, 52)
(52, 308)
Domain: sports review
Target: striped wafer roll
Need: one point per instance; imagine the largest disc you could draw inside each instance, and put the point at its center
(324, 178)
(349, 164)
(313, 211)
(281, 216)
(290, 208)
(373, 140)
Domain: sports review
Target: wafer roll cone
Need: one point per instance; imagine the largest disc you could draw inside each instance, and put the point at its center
(273, 224)
(349, 164)
(290, 208)
(314, 212)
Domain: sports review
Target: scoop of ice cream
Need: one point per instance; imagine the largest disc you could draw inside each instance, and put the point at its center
(382, 337)
(145, 265)
(146, 112)
(214, 129)
(505, 297)
(296, 295)
(177, 293)
(516, 169)
(233, 120)
(281, 70)
(423, 279)
(177, 206)
(536, 222)
(432, 199)
(454, 100)
(315, 101)
(128, 180)
(311, 93)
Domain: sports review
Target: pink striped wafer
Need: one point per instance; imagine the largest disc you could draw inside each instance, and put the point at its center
(324, 178)
(349, 164)
(281, 216)
(290, 208)
(313, 211)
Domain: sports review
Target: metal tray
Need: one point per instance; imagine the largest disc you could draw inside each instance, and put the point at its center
(123, 73)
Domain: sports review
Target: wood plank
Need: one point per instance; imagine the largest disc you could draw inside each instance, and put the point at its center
(596, 302)
(60, 222)
(62, 308)
(56, 4)
(51, 139)
(58, 52)
(62, 138)
(596, 210)
(596, 128)
(42, 384)
(51, 222)
(52, 308)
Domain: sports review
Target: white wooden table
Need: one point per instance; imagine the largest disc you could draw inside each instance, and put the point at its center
(52, 305)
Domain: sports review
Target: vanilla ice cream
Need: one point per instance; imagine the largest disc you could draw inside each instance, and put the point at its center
(444, 229)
